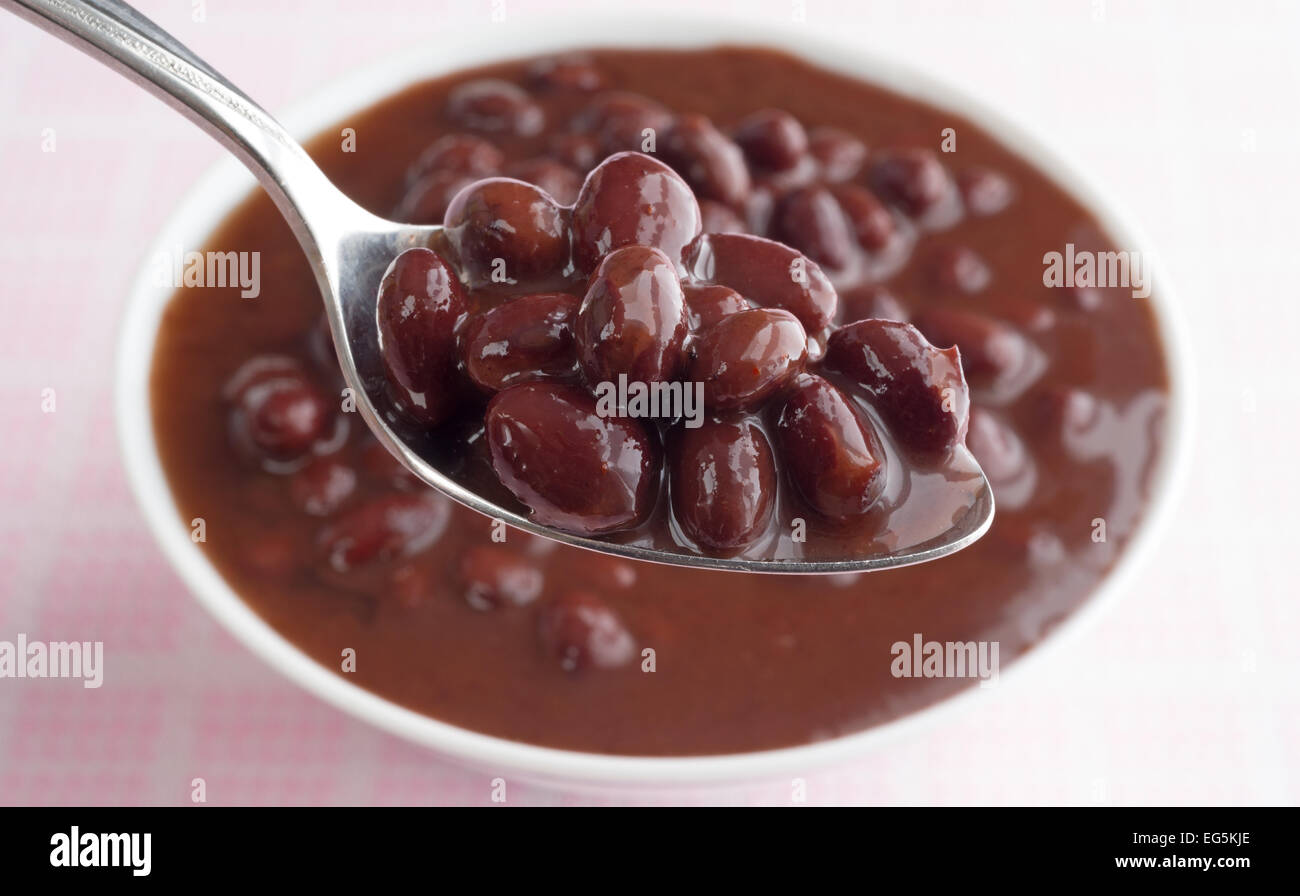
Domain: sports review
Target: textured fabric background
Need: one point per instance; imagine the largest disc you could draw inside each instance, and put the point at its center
(1193, 697)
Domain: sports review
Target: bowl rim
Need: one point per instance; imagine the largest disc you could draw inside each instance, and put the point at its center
(227, 184)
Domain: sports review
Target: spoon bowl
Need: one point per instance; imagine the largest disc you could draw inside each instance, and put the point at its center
(349, 249)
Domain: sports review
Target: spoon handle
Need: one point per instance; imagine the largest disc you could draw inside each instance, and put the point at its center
(123, 39)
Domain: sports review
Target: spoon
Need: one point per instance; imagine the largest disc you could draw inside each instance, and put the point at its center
(349, 249)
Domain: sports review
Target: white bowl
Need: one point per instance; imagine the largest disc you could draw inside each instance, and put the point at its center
(219, 192)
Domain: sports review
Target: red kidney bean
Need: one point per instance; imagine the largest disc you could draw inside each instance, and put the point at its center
(384, 528)
(632, 199)
(830, 452)
(524, 339)
(811, 220)
(580, 631)
(918, 389)
(958, 269)
(839, 154)
(985, 192)
(504, 228)
(277, 412)
(718, 218)
(495, 577)
(426, 200)
(706, 304)
(321, 487)
(865, 302)
(548, 175)
(576, 470)
(723, 483)
(993, 354)
(913, 179)
(621, 120)
(464, 154)
(495, 107)
(633, 318)
(421, 304)
(748, 356)
(711, 163)
(873, 225)
(571, 72)
(766, 272)
(772, 139)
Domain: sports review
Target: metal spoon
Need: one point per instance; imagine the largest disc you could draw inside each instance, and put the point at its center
(349, 249)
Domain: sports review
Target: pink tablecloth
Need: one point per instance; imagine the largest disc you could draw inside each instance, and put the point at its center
(1193, 697)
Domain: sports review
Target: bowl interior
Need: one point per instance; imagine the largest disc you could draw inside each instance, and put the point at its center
(218, 193)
